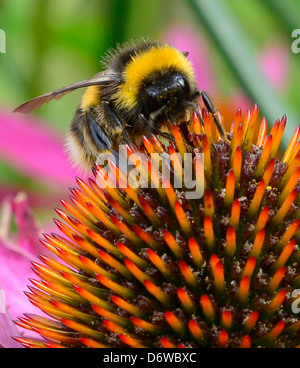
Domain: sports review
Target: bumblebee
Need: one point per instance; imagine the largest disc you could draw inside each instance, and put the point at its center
(143, 87)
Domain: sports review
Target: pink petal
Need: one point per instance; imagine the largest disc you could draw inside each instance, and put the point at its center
(187, 39)
(34, 149)
(16, 252)
(273, 62)
(7, 329)
(28, 231)
(15, 271)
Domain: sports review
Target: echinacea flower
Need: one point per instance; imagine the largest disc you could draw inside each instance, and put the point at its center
(149, 267)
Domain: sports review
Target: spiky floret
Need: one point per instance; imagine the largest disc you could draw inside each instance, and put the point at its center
(150, 268)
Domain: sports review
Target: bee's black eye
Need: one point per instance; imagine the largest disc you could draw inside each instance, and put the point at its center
(153, 99)
(165, 90)
(182, 85)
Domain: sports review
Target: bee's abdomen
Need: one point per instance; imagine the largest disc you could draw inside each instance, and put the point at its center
(79, 142)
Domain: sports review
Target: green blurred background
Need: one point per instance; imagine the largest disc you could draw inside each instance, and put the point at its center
(52, 43)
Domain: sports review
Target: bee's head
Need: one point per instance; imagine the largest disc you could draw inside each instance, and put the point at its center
(165, 94)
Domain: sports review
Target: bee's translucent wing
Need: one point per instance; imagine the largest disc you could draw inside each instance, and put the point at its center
(33, 104)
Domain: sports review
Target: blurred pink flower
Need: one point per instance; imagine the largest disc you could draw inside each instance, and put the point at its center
(187, 39)
(273, 62)
(34, 149)
(38, 152)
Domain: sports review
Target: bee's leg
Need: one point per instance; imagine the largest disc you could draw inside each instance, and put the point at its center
(119, 128)
(153, 128)
(196, 106)
(104, 144)
(163, 134)
(166, 135)
(100, 137)
(199, 115)
(210, 107)
(118, 125)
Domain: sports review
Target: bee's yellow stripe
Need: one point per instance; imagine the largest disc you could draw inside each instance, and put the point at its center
(91, 97)
(143, 65)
